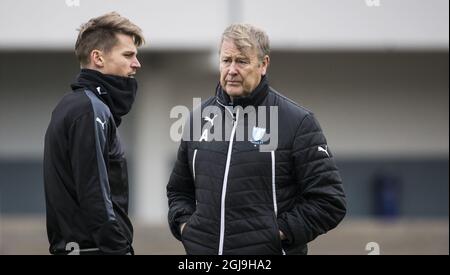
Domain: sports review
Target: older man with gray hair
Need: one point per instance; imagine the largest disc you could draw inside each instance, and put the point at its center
(226, 195)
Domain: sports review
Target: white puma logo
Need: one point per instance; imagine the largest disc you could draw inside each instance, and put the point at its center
(101, 123)
(321, 149)
(211, 120)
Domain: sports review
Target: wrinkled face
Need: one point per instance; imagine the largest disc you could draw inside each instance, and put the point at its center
(240, 71)
(121, 60)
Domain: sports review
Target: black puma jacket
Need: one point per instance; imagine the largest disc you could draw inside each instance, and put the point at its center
(234, 198)
(85, 175)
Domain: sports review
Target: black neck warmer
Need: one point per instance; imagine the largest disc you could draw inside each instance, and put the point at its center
(115, 91)
(255, 98)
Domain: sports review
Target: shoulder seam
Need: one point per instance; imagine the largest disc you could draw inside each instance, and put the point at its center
(97, 99)
(277, 94)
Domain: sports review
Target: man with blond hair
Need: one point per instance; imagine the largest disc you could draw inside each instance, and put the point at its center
(85, 170)
(243, 193)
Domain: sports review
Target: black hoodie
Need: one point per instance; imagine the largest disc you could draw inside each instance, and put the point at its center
(85, 171)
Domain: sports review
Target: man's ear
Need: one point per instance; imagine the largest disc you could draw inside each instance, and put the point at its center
(97, 58)
(265, 64)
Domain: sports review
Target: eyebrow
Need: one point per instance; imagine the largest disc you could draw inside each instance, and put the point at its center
(237, 57)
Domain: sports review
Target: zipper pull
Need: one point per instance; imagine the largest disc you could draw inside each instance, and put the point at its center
(235, 116)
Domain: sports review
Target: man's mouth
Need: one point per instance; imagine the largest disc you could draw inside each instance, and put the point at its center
(131, 75)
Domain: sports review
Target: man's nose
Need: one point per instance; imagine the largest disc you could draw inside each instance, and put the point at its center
(136, 64)
(232, 69)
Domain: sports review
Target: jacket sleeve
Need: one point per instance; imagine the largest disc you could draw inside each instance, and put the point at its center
(320, 202)
(88, 142)
(180, 192)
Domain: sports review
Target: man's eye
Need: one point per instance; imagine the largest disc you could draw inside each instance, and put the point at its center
(242, 61)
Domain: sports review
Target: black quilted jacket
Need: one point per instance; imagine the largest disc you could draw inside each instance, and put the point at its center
(235, 198)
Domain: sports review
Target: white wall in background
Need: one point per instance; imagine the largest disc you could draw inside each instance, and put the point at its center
(181, 24)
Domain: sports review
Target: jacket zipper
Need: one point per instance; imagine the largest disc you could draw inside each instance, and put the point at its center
(193, 170)
(274, 193)
(193, 163)
(224, 186)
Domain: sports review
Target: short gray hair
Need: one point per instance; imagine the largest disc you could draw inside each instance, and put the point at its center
(248, 36)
